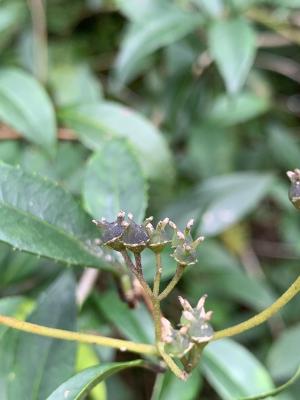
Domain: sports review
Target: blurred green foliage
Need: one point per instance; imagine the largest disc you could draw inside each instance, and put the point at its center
(184, 108)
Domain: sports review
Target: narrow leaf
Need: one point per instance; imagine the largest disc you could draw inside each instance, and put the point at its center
(232, 45)
(40, 217)
(78, 387)
(26, 107)
(114, 181)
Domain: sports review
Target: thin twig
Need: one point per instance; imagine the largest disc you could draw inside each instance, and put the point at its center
(7, 133)
(39, 27)
(176, 278)
(157, 275)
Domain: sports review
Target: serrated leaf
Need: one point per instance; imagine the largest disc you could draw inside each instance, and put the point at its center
(232, 45)
(42, 218)
(233, 371)
(78, 387)
(95, 123)
(161, 29)
(114, 181)
(26, 107)
(41, 364)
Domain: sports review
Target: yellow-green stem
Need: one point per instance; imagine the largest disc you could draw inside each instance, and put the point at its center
(171, 363)
(176, 278)
(122, 345)
(263, 316)
(157, 275)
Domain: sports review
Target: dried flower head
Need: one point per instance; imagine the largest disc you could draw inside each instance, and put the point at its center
(294, 192)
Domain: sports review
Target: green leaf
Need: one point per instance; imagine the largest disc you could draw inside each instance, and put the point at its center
(161, 29)
(114, 181)
(232, 45)
(168, 387)
(214, 8)
(284, 355)
(135, 324)
(78, 387)
(232, 197)
(221, 201)
(42, 218)
(74, 84)
(137, 10)
(233, 371)
(26, 107)
(41, 364)
(228, 111)
(96, 122)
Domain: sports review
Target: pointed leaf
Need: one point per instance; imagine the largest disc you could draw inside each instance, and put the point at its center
(78, 387)
(232, 45)
(26, 107)
(40, 217)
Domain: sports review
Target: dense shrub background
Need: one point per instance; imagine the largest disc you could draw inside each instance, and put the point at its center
(186, 108)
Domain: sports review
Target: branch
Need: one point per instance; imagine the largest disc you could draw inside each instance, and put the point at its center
(7, 133)
(122, 345)
(263, 316)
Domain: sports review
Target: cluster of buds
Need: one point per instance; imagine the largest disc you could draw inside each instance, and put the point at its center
(194, 329)
(126, 234)
(294, 192)
(183, 244)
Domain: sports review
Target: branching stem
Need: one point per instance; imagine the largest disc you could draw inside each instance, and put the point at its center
(176, 278)
(157, 274)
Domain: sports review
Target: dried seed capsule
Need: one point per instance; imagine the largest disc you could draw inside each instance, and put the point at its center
(294, 192)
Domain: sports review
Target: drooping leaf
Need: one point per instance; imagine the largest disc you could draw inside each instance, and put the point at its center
(40, 217)
(114, 181)
(26, 107)
(284, 355)
(78, 387)
(96, 122)
(232, 45)
(161, 29)
(135, 324)
(233, 371)
(41, 364)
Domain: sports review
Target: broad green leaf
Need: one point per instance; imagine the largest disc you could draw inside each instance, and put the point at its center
(26, 107)
(232, 45)
(79, 386)
(114, 181)
(233, 371)
(284, 355)
(232, 197)
(135, 324)
(10, 152)
(227, 111)
(161, 29)
(74, 84)
(95, 123)
(41, 364)
(40, 217)
(168, 387)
